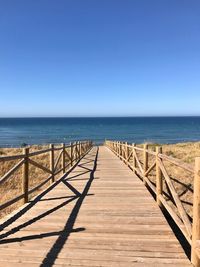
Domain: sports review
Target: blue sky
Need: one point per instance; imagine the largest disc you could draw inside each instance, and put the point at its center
(99, 57)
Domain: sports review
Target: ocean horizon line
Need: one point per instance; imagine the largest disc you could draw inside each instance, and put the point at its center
(79, 117)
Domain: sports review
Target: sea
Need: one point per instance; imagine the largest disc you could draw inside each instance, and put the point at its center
(16, 132)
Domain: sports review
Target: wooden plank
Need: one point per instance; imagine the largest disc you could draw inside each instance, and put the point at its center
(25, 180)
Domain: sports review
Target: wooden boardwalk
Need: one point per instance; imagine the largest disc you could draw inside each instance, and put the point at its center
(98, 215)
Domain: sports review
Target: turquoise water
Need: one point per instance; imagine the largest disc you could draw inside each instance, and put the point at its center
(16, 131)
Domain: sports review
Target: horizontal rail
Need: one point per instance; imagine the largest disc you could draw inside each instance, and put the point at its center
(36, 153)
(9, 158)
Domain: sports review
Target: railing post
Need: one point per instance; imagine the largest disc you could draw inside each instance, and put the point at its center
(123, 152)
(25, 181)
(126, 150)
(159, 183)
(63, 157)
(51, 146)
(71, 153)
(145, 159)
(74, 151)
(80, 149)
(134, 160)
(76, 154)
(196, 214)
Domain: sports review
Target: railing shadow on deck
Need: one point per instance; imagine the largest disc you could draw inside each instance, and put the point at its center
(62, 235)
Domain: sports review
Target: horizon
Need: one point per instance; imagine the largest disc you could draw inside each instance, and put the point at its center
(79, 117)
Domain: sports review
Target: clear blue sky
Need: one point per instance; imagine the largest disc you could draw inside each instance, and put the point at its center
(99, 57)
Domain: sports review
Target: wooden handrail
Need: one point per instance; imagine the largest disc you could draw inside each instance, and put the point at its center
(79, 148)
(191, 230)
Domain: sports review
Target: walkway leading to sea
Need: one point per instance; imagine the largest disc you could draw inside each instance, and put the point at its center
(100, 214)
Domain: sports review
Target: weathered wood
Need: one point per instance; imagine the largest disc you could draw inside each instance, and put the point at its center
(63, 157)
(126, 152)
(8, 158)
(145, 160)
(71, 153)
(133, 158)
(51, 163)
(25, 180)
(76, 151)
(159, 183)
(196, 215)
(39, 152)
(79, 150)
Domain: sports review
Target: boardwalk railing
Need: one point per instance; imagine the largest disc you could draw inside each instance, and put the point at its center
(137, 158)
(59, 159)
